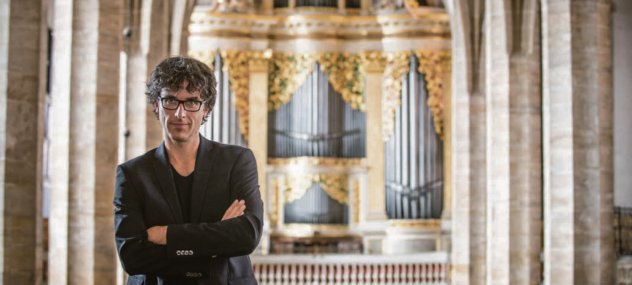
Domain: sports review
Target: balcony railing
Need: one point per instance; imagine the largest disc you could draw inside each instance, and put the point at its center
(429, 268)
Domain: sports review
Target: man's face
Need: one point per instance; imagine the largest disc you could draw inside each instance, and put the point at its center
(180, 125)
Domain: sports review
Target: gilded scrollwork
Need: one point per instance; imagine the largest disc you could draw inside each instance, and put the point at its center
(335, 185)
(236, 64)
(397, 64)
(432, 65)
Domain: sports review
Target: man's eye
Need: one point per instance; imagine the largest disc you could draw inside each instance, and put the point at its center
(170, 100)
(192, 103)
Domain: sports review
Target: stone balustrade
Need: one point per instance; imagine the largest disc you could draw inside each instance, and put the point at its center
(427, 268)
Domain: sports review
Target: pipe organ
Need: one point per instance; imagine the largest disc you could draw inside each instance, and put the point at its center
(342, 103)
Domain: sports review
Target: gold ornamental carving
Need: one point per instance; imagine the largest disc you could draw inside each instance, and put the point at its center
(397, 64)
(288, 71)
(356, 200)
(236, 64)
(335, 185)
(434, 64)
(274, 193)
(316, 161)
(346, 75)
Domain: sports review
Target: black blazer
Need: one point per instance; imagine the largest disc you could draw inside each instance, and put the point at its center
(146, 196)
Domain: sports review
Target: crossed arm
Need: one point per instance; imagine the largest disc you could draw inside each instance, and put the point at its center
(158, 234)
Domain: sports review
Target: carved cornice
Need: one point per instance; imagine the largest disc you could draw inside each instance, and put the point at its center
(317, 161)
(319, 26)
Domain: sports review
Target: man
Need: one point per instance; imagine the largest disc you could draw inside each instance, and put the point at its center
(189, 211)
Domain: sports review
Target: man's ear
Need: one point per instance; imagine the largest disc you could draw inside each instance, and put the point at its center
(156, 106)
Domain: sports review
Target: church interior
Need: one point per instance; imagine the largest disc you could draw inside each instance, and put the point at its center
(397, 141)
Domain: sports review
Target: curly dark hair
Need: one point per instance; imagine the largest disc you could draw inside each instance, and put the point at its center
(171, 73)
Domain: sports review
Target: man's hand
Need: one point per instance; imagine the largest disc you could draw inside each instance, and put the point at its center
(157, 235)
(235, 210)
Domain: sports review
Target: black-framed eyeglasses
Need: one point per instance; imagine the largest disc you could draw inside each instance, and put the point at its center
(173, 103)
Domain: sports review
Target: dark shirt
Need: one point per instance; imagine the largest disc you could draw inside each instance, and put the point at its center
(184, 187)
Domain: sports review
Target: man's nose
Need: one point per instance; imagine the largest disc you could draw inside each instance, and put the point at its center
(180, 112)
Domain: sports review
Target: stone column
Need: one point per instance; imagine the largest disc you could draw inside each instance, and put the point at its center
(23, 46)
(374, 67)
(258, 115)
(84, 141)
(577, 144)
(513, 143)
(149, 44)
(469, 217)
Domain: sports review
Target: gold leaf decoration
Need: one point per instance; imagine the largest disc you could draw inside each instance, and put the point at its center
(236, 64)
(287, 71)
(346, 75)
(397, 64)
(335, 185)
(432, 65)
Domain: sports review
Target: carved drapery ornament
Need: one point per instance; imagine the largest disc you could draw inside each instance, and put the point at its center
(346, 75)
(397, 64)
(288, 71)
(237, 65)
(335, 185)
(432, 65)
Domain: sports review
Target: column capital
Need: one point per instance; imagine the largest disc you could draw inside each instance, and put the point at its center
(373, 61)
(258, 61)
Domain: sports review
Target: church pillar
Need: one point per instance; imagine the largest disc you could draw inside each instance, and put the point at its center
(23, 47)
(513, 142)
(148, 45)
(376, 206)
(468, 145)
(577, 142)
(258, 115)
(84, 139)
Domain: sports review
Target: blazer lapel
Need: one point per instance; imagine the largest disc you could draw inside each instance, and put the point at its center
(163, 171)
(203, 163)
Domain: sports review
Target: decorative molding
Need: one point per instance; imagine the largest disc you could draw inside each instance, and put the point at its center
(355, 188)
(415, 224)
(315, 161)
(432, 65)
(397, 64)
(274, 202)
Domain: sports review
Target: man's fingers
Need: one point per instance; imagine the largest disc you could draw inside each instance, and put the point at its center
(235, 210)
